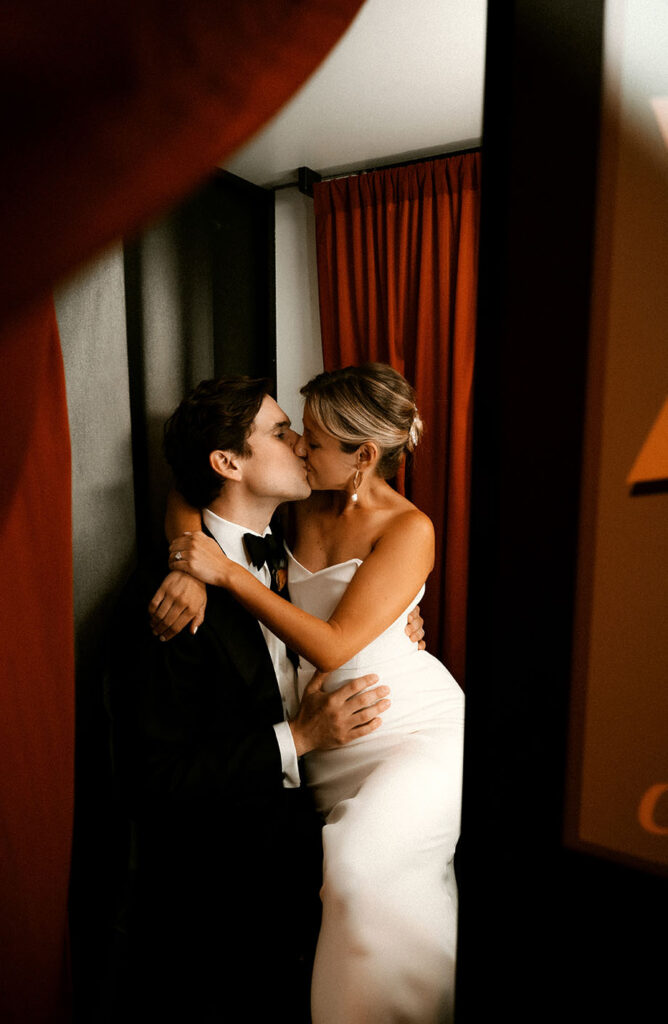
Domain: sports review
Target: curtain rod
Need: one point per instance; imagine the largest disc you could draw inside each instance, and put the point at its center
(307, 177)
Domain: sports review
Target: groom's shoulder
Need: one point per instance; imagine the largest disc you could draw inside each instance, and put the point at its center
(130, 617)
(141, 583)
(132, 651)
(128, 633)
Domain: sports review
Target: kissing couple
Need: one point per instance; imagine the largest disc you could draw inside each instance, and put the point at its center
(291, 755)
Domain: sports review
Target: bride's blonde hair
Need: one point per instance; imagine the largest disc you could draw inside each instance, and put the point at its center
(372, 402)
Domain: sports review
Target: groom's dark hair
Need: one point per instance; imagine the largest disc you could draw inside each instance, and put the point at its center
(216, 415)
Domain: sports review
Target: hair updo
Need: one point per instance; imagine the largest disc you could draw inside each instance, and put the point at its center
(372, 402)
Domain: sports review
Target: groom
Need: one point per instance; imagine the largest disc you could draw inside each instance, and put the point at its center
(208, 736)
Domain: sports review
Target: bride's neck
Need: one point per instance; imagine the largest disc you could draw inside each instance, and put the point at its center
(369, 495)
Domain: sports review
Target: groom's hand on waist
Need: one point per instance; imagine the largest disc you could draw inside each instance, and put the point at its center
(415, 628)
(328, 720)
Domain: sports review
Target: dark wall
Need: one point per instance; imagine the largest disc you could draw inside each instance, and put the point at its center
(200, 301)
(194, 297)
(244, 306)
(545, 933)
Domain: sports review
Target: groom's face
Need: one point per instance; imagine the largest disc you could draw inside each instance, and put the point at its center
(272, 470)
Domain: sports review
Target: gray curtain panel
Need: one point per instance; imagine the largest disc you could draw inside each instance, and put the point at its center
(136, 333)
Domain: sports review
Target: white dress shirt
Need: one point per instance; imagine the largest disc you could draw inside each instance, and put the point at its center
(230, 537)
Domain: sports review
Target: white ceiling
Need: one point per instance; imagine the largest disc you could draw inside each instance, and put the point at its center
(406, 80)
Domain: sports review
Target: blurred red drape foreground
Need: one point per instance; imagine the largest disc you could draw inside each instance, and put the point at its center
(37, 693)
(397, 271)
(111, 112)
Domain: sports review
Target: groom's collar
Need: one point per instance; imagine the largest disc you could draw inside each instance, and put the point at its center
(229, 536)
(213, 518)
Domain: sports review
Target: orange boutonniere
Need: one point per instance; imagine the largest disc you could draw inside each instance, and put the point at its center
(278, 568)
(280, 577)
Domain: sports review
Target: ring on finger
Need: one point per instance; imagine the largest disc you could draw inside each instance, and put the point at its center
(178, 556)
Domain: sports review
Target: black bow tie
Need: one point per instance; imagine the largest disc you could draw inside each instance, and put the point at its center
(270, 549)
(264, 549)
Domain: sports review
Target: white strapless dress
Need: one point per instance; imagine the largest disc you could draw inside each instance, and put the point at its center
(391, 802)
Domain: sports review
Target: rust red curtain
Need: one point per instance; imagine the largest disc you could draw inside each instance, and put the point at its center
(111, 112)
(397, 270)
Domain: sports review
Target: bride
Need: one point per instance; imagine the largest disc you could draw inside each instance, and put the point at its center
(358, 559)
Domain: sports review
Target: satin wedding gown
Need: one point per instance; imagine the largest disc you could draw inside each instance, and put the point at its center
(391, 803)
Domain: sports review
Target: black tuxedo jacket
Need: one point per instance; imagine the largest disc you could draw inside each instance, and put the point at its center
(226, 903)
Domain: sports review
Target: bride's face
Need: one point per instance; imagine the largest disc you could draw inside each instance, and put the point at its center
(328, 468)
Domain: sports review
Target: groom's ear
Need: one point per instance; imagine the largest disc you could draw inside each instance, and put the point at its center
(225, 464)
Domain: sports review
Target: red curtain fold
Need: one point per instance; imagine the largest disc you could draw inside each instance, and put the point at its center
(397, 257)
(37, 692)
(111, 112)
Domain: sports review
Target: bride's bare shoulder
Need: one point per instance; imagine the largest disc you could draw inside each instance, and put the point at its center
(408, 534)
(409, 517)
(399, 506)
(408, 524)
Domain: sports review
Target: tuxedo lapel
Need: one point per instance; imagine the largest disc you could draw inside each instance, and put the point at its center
(277, 530)
(240, 634)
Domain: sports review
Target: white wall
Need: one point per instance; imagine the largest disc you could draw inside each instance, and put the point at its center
(298, 346)
(405, 79)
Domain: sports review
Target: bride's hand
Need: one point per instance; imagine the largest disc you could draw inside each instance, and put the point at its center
(180, 599)
(199, 555)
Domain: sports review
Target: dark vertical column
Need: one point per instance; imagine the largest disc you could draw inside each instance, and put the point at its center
(545, 934)
(244, 307)
(218, 248)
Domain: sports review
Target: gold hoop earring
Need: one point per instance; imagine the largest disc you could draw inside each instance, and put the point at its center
(354, 497)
